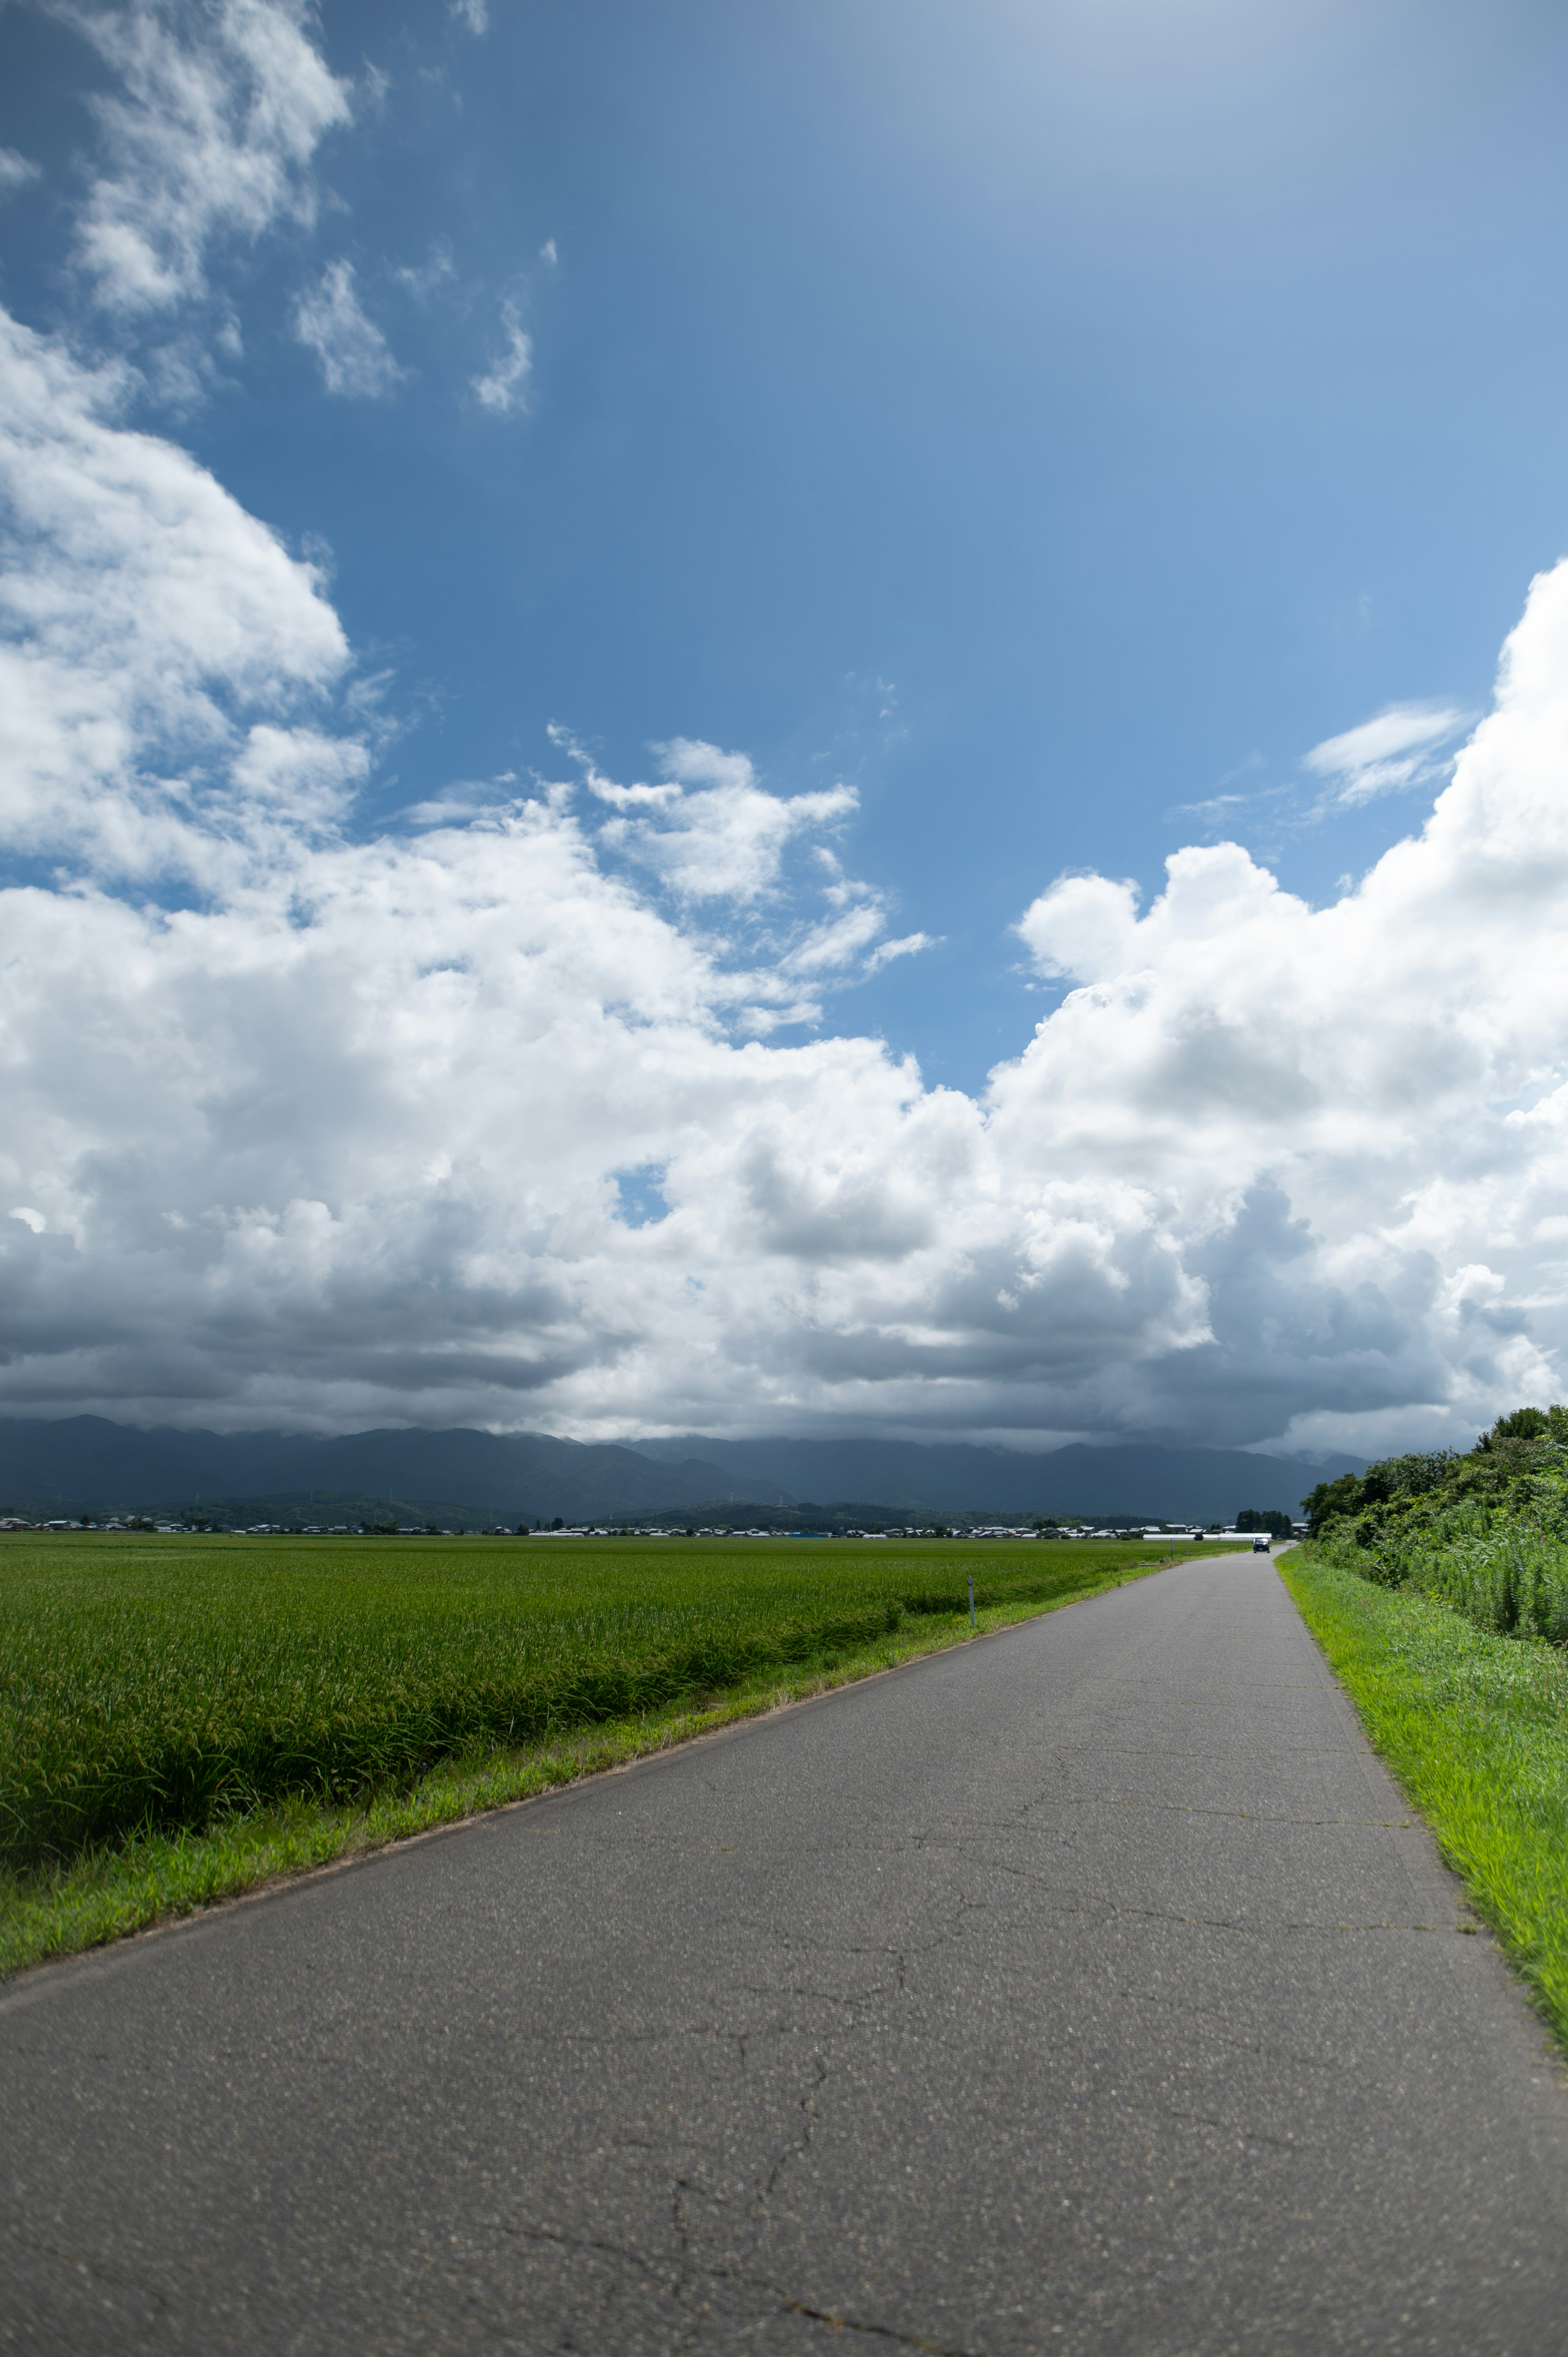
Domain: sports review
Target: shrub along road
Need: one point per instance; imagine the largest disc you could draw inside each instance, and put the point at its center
(1087, 1987)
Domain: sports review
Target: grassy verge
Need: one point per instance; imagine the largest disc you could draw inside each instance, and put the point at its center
(1475, 1726)
(59, 1905)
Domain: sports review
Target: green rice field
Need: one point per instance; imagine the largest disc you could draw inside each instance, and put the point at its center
(149, 1683)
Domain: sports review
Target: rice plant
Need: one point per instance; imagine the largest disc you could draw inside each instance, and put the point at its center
(151, 1684)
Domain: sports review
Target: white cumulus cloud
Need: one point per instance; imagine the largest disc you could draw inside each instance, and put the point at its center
(1348, 1109)
(312, 1123)
(157, 643)
(711, 829)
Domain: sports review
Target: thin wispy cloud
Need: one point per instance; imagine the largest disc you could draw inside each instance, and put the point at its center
(210, 134)
(15, 171)
(911, 945)
(502, 388)
(1216, 808)
(330, 319)
(1391, 754)
(423, 280)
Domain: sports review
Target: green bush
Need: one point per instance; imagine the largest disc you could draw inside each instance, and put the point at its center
(1485, 1533)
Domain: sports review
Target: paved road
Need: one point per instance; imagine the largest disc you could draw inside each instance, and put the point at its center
(1083, 1989)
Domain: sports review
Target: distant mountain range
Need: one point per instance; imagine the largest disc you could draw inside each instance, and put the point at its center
(949, 1477)
(86, 1464)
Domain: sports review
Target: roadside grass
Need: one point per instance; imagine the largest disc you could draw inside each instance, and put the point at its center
(1475, 1726)
(183, 1718)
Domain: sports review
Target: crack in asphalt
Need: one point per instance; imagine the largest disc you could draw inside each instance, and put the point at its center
(677, 2099)
(83, 2263)
(879, 2332)
(1271, 1930)
(1243, 2135)
(692, 2269)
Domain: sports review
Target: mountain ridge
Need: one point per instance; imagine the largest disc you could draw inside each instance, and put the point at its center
(79, 1464)
(1130, 1477)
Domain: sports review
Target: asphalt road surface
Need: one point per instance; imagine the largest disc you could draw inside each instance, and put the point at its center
(1084, 1988)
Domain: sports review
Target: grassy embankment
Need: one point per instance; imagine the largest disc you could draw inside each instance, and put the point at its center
(1475, 1726)
(183, 1717)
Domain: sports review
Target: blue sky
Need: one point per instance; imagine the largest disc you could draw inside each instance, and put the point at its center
(1045, 418)
(1055, 423)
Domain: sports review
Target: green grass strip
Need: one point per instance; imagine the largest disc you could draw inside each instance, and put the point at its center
(128, 1885)
(1475, 1726)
